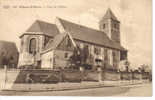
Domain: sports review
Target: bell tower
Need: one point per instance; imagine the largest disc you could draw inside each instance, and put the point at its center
(110, 25)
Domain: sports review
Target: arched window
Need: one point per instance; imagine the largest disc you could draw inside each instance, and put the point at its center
(32, 46)
(104, 26)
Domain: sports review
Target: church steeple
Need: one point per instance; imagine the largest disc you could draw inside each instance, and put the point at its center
(110, 25)
(109, 15)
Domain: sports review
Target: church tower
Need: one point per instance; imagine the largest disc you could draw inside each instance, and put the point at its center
(110, 25)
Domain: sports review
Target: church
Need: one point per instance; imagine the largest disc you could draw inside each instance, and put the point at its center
(48, 46)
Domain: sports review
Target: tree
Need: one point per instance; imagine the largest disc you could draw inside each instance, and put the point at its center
(124, 65)
(80, 56)
(145, 68)
(84, 54)
(127, 65)
(5, 61)
(75, 58)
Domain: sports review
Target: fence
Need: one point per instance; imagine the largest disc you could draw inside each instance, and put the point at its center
(110, 75)
(55, 76)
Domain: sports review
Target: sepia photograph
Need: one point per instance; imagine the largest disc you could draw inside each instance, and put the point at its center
(93, 48)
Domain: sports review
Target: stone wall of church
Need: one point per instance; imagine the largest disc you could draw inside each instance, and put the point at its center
(25, 42)
(111, 28)
(116, 58)
(115, 31)
(47, 60)
(61, 58)
(109, 56)
(24, 54)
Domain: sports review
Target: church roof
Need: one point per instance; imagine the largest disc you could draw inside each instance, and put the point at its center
(77, 32)
(53, 43)
(109, 15)
(90, 35)
(44, 27)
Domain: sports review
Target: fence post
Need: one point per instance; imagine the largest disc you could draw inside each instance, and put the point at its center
(119, 80)
(61, 78)
(5, 69)
(82, 72)
(99, 74)
(141, 81)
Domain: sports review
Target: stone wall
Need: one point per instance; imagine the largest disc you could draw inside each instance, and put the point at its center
(90, 76)
(110, 75)
(61, 58)
(137, 76)
(25, 41)
(115, 31)
(126, 75)
(8, 78)
(38, 76)
(24, 48)
(2, 78)
(145, 75)
(71, 76)
(47, 60)
(19, 76)
(25, 59)
(106, 53)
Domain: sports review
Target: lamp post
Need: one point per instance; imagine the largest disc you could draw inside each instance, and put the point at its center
(98, 61)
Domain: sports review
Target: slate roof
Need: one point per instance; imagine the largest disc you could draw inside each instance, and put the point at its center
(77, 31)
(109, 15)
(53, 43)
(45, 27)
(89, 35)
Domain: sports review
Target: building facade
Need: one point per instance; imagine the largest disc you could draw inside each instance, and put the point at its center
(47, 45)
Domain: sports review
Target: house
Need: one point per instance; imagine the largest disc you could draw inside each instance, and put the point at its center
(8, 54)
(47, 45)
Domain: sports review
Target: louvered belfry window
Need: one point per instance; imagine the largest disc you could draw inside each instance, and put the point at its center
(32, 46)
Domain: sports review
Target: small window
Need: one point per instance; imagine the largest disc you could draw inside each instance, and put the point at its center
(86, 46)
(103, 26)
(11, 58)
(46, 40)
(22, 42)
(69, 43)
(81, 45)
(115, 25)
(114, 55)
(97, 51)
(86, 49)
(66, 55)
(105, 54)
(32, 46)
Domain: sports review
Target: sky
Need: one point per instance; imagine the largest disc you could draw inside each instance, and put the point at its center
(135, 17)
